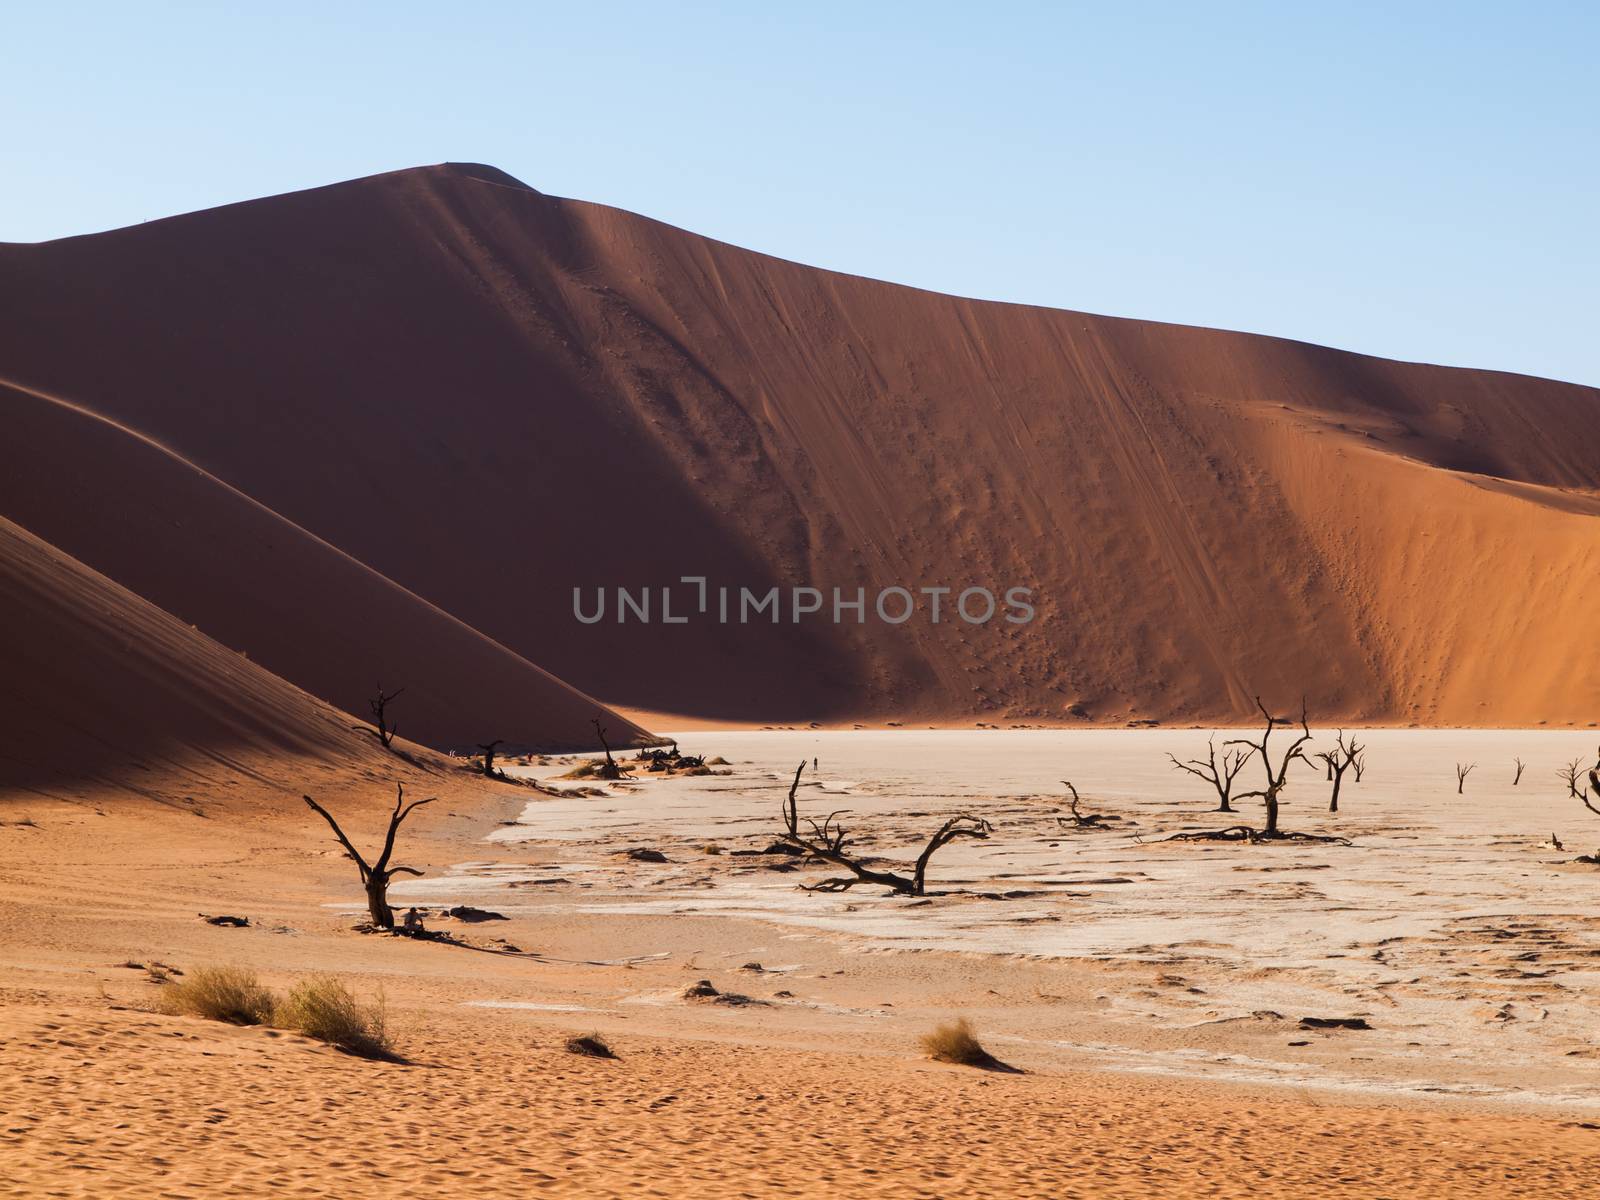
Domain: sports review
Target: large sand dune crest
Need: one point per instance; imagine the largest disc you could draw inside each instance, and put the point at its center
(491, 397)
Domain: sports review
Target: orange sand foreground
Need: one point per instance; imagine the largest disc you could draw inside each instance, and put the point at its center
(102, 1097)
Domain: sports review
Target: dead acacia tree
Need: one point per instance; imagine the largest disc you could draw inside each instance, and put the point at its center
(1340, 759)
(1462, 771)
(488, 749)
(1570, 774)
(1594, 807)
(1277, 780)
(830, 841)
(380, 728)
(1219, 773)
(1594, 784)
(791, 807)
(1079, 820)
(1360, 765)
(1521, 767)
(375, 876)
(610, 768)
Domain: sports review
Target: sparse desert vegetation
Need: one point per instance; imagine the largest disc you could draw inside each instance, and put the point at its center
(591, 1045)
(231, 994)
(321, 1007)
(955, 1042)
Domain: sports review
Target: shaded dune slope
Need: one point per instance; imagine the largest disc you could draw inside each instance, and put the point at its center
(209, 555)
(98, 686)
(491, 396)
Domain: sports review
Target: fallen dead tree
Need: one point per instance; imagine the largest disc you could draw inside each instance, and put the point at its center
(830, 843)
(1277, 780)
(672, 762)
(1078, 820)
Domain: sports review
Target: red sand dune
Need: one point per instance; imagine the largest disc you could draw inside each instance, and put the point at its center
(101, 686)
(484, 397)
(184, 540)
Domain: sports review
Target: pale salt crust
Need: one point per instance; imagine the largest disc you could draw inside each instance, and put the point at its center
(1451, 925)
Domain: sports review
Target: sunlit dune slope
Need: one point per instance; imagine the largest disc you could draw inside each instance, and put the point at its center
(491, 397)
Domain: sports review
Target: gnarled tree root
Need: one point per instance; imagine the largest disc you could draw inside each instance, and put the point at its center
(1245, 833)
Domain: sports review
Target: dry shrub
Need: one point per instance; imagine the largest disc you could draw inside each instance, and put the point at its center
(229, 994)
(955, 1043)
(587, 769)
(323, 1008)
(592, 1045)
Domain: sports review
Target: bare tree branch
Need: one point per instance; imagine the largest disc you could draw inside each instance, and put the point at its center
(382, 730)
(1340, 759)
(1277, 780)
(1219, 774)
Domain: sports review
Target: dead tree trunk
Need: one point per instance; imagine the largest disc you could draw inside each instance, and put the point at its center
(1340, 759)
(1219, 774)
(791, 807)
(1570, 774)
(956, 827)
(1276, 779)
(1517, 778)
(609, 769)
(829, 840)
(488, 749)
(1080, 820)
(381, 729)
(376, 876)
(1594, 807)
(1462, 771)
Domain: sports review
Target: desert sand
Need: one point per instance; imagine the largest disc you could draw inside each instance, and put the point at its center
(263, 460)
(1155, 1020)
(484, 397)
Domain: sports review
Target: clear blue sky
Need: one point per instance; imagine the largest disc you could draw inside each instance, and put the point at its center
(1420, 181)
